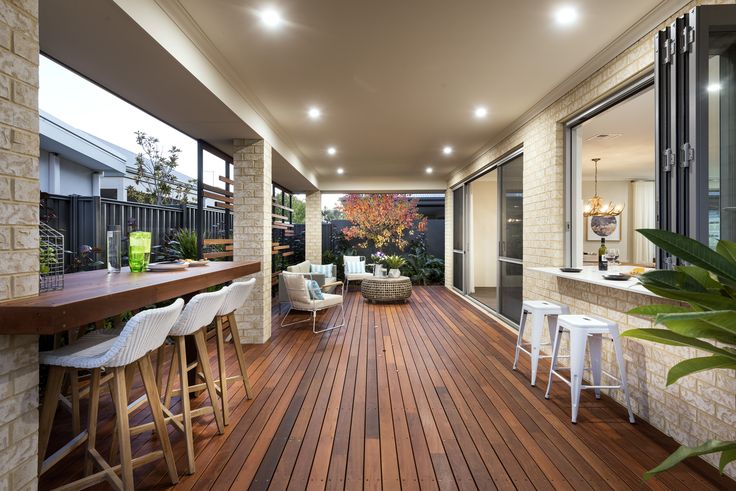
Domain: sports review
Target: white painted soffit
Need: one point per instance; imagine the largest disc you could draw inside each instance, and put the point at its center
(642, 28)
(167, 26)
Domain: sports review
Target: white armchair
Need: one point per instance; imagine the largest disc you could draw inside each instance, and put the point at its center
(353, 272)
(299, 299)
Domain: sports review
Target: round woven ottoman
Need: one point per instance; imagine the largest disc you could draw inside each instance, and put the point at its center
(386, 289)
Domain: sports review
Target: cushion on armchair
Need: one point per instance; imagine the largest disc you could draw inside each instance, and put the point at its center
(325, 269)
(315, 293)
(302, 267)
(355, 267)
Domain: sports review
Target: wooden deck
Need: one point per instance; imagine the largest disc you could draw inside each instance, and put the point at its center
(417, 395)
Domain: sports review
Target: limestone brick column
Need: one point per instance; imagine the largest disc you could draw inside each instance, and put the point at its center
(19, 197)
(252, 233)
(313, 228)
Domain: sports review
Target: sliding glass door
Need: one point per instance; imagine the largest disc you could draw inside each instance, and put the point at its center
(488, 237)
(511, 233)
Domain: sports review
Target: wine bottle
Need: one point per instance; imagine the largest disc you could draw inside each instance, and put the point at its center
(602, 260)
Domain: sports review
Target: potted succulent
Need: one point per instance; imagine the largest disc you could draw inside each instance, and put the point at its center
(393, 263)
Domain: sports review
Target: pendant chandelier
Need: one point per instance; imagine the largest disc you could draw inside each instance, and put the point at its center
(595, 207)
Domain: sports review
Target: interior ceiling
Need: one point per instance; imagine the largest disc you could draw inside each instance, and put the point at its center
(396, 80)
(628, 156)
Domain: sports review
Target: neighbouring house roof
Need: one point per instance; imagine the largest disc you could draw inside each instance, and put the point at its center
(78, 146)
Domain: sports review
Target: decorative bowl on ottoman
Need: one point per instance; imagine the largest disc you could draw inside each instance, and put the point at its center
(386, 289)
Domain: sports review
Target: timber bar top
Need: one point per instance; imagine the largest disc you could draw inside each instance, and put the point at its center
(94, 295)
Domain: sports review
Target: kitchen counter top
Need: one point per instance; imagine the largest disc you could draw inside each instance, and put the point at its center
(590, 274)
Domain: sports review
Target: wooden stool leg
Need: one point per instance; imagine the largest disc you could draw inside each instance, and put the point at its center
(94, 403)
(123, 432)
(48, 410)
(186, 412)
(129, 375)
(160, 367)
(74, 385)
(172, 376)
(204, 363)
(223, 372)
(154, 401)
(239, 354)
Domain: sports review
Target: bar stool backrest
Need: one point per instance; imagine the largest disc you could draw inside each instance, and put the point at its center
(237, 294)
(199, 312)
(144, 332)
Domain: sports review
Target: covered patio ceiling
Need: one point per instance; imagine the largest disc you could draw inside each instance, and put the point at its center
(395, 82)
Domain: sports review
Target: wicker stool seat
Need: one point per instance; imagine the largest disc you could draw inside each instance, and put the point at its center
(386, 289)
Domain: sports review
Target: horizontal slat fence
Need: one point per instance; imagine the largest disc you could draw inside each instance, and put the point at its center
(84, 219)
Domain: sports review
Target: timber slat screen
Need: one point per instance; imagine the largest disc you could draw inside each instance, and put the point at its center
(410, 396)
(286, 249)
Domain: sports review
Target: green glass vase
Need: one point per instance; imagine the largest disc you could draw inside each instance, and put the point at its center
(139, 251)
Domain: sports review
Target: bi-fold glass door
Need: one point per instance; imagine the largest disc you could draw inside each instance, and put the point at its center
(695, 74)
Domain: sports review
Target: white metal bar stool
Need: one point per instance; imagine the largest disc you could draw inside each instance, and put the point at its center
(588, 330)
(237, 294)
(197, 315)
(540, 310)
(142, 334)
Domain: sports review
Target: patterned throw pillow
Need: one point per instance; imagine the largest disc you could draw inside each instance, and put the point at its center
(355, 267)
(325, 269)
(314, 291)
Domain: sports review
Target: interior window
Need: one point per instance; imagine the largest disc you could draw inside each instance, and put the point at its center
(613, 182)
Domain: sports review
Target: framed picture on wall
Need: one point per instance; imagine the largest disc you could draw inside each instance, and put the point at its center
(604, 227)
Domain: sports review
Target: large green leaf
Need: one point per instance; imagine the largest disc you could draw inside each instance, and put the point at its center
(715, 324)
(694, 365)
(727, 456)
(664, 278)
(656, 309)
(727, 249)
(692, 251)
(700, 275)
(682, 453)
(665, 336)
(708, 301)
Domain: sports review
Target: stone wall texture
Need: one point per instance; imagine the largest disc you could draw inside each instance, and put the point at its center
(696, 408)
(313, 228)
(252, 233)
(19, 197)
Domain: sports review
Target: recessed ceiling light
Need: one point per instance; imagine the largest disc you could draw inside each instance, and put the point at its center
(566, 15)
(480, 112)
(271, 18)
(715, 87)
(447, 150)
(314, 113)
(331, 151)
(429, 170)
(340, 170)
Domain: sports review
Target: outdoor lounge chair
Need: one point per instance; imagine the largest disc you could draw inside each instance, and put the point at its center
(299, 299)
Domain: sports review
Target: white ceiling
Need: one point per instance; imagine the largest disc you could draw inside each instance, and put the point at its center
(396, 80)
(628, 156)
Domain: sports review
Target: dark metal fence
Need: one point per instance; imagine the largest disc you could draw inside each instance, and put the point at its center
(84, 219)
(434, 237)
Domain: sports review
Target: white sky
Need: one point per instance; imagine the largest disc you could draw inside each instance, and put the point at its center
(85, 106)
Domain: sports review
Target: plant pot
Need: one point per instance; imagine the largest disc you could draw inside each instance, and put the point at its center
(394, 273)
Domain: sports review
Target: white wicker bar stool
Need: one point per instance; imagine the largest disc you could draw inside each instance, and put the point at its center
(197, 315)
(588, 330)
(540, 310)
(237, 294)
(143, 333)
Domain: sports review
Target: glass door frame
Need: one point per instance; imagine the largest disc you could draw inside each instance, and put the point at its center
(464, 185)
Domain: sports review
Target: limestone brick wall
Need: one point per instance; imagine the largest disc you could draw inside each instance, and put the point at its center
(19, 197)
(252, 233)
(696, 408)
(313, 228)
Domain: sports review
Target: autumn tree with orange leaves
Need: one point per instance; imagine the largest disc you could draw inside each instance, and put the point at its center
(380, 220)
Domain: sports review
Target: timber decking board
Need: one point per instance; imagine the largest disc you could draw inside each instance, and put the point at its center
(406, 396)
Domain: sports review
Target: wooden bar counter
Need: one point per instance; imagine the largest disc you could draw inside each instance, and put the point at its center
(94, 295)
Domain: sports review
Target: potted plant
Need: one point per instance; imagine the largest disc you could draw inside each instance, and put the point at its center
(704, 319)
(393, 263)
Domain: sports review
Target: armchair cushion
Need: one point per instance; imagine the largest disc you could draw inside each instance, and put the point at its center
(302, 267)
(329, 301)
(354, 267)
(325, 269)
(314, 291)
